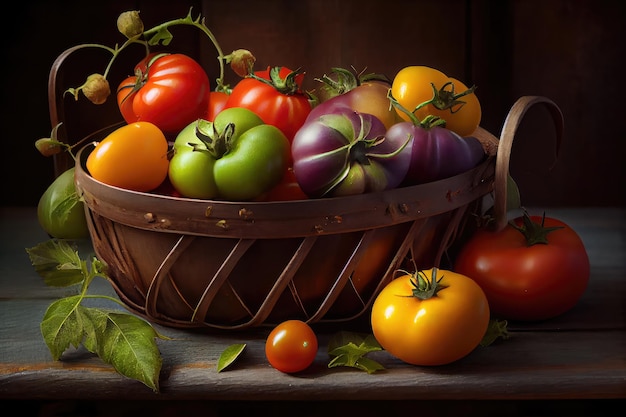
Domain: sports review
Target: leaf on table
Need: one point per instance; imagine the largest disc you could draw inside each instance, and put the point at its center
(128, 343)
(496, 329)
(63, 325)
(349, 349)
(57, 262)
(229, 355)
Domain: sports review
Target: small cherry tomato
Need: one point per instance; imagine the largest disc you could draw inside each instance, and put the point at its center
(432, 317)
(291, 346)
(133, 157)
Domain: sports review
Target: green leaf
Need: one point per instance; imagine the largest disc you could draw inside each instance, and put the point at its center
(57, 262)
(163, 37)
(349, 349)
(513, 199)
(63, 325)
(229, 355)
(496, 329)
(128, 343)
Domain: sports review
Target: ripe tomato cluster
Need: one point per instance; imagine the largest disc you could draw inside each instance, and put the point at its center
(266, 139)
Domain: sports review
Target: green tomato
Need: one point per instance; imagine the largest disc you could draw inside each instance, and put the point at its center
(235, 157)
(241, 118)
(60, 211)
(255, 164)
(191, 173)
(187, 136)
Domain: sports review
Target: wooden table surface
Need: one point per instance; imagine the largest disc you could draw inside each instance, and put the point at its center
(579, 355)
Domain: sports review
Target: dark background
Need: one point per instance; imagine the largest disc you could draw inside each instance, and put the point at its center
(567, 50)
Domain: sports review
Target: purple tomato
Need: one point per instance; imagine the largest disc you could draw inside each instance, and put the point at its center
(436, 152)
(347, 153)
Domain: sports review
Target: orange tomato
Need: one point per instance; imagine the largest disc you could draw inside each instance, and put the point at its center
(437, 329)
(291, 346)
(133, 157)
(413, 85)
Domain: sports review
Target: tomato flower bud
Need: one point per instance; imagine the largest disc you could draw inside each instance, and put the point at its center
(241, 61)
(96, 89)
(48, 146)
(130, 24)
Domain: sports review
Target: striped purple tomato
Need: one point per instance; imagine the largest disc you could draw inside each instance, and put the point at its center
(347, 153)
(436, 152)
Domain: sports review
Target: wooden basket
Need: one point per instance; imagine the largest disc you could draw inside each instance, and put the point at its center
(192, 263)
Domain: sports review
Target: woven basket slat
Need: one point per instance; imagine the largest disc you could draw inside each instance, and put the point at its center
(162, 274)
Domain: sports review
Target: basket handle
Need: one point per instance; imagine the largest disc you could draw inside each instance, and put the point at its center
(511, 123)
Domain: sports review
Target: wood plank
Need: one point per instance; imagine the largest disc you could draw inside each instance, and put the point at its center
(581, 354)
(531, 365)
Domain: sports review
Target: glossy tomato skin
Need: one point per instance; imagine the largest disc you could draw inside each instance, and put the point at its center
(256, 164)
(412, 86)
(527, 283)
(342, 153)
(435, 331)
(175, 92)
(285, 111)
(253, 161)
(370, 97)
(291, 346)
(288, 189)
(217, 103)
(133, 157)
(60, 211)
(436, 153)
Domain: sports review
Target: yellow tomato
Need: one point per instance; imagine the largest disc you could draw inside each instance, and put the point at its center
(415, 85)
(443, 327)
(133, 157)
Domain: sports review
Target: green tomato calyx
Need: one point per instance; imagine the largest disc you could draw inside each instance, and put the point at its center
(341, 80)
(425, 287)
(442, 99)
(216, 143)
(534, 233)
(287, 86)
(428, 122)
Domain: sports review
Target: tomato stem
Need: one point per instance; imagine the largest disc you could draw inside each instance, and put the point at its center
(428, 122)
(425, 288)
(160, 34)
(534, 233)
(288, 85)
(344, 81)
(442, 99)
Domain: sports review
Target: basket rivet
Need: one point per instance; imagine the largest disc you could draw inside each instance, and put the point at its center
(245, 214)
(149, 217)
(222, 224)
(207, 212)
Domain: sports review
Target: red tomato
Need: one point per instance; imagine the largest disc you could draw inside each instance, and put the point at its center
(527, 280)
(217, 102)
(288, 189)
(291, 346)
(279, 101)
(171, 92)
